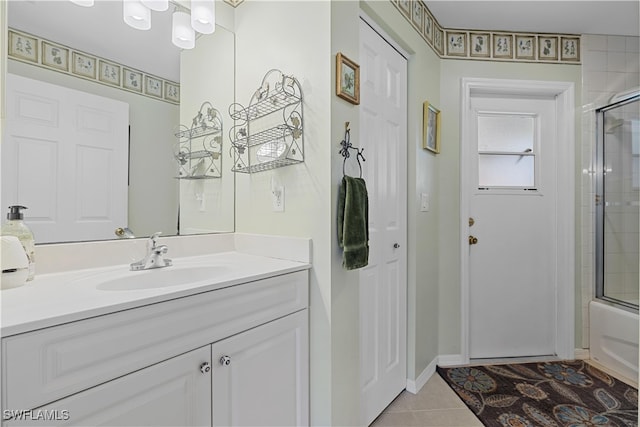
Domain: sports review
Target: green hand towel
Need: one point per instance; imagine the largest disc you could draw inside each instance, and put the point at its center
(353, 222)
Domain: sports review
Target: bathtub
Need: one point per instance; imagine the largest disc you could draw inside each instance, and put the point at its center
(613, 338)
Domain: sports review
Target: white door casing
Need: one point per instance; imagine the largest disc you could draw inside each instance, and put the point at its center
(557, 224)
(65, 157)
(383, 283)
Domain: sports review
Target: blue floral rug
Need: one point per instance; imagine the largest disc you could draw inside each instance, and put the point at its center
(548, 394)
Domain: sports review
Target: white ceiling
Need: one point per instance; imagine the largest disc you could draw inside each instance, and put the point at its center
(569, 17)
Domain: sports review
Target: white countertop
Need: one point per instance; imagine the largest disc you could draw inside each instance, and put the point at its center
(56, 298)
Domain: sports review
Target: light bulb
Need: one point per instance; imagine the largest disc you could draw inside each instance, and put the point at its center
(157, 5)
(203, 16)
(182, 35)
(136, 14)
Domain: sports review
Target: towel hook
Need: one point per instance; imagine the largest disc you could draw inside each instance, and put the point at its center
(346, 146)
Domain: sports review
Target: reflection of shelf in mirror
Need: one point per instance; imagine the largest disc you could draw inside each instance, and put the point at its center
(194, 177)
(197, 132)
(198, 154)
(277, 101)
(265, 136)
(266, 165)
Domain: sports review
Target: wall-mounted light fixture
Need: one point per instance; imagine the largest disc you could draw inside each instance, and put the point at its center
(201, 17)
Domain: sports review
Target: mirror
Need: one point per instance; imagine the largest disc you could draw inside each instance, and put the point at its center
(154, 198)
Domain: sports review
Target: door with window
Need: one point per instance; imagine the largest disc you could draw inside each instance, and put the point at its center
(512, 226)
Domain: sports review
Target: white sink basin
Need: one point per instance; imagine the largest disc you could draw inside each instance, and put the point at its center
(161, 278)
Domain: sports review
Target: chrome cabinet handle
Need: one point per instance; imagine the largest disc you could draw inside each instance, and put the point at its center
(205, 367)
(225, 361)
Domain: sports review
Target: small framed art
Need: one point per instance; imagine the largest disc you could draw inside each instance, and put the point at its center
(456, 43)
(84, 65)
(548, 48)
(525, 47)
(23, 47)
(132, 80)
(171, 92)
(55, 56)
(430, 127)
(109, 73)
(503, 46)
(152, 86)
(347, 79)
(479, 46)
(570, 48)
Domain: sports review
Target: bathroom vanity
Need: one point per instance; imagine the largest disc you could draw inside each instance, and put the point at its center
(224, 341)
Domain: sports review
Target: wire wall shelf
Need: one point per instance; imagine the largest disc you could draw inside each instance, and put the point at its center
(267, 134)
(199, 147)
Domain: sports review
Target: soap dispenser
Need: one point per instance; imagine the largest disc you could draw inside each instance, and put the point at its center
(15, 226)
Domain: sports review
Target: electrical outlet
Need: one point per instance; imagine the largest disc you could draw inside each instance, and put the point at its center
(424, 202)
(277, 198)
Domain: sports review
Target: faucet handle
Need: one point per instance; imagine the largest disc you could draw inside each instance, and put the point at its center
(153, 240)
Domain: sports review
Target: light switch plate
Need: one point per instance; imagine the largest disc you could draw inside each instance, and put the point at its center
(424, 202)
(277, 198)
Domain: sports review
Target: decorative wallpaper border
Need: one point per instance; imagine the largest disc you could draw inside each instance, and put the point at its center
(53, 56)
(489, 45)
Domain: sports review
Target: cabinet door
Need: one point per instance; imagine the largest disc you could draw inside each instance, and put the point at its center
(261, 376)
(176, 392)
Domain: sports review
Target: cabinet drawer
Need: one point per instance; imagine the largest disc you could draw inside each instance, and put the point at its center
(42, 366)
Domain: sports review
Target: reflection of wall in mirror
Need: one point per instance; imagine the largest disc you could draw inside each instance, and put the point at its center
(207, 205)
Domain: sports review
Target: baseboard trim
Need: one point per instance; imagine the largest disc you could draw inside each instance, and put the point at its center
(414, 386)
(450, 360)
(582, 354)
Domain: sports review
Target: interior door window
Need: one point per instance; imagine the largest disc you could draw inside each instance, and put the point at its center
(506, 151)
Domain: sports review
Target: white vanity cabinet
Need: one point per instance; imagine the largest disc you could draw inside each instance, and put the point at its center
(232, 356)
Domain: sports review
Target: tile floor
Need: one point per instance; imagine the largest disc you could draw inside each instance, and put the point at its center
(434, 405)
(437, 405)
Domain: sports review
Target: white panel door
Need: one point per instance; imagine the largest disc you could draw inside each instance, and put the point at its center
(513, 264)
(65, 157)
(383, 283)
(261, 376)
(175, 392)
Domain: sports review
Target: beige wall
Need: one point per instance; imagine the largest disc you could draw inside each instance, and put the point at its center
(294, 37)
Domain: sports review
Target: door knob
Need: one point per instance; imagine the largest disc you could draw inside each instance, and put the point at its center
(205, 367)
(225, 361)
(473, 240)
(396, 245)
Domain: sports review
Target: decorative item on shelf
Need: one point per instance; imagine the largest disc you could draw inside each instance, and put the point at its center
(268, 133)
(346, 146)
(199, 147)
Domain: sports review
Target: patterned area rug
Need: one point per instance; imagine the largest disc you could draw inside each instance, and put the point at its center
(567, 393)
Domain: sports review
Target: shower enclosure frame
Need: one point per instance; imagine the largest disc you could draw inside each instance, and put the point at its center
(600, 200)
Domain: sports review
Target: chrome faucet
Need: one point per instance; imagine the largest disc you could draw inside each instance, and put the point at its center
(155, 255)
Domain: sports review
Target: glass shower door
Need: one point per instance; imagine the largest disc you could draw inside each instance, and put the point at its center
(618, 203)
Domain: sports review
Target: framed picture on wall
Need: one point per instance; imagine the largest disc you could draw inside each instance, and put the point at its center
(479, 46)
(570, 48)
(430, 127)
(347, 79)
(548, 48)
(456, 43)
(23, 47)
(55, 56)
(525, 47)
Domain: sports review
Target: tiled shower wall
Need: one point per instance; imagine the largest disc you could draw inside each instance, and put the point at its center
(610, 64)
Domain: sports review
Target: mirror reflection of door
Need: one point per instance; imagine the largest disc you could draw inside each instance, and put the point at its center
(65, 157)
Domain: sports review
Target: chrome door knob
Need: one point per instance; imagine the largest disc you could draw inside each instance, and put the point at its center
(205, 367)
(225, 361)
(396, 245)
